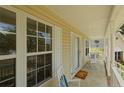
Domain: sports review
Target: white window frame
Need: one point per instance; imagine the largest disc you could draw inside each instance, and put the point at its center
(21, 45)
(11, 56)
(43, 52)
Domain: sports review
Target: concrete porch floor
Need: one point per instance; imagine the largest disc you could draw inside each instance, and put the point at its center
(96, 75)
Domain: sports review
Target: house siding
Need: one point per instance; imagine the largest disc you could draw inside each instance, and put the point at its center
(47, 15)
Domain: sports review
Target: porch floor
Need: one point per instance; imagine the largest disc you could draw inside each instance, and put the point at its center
(96, 75)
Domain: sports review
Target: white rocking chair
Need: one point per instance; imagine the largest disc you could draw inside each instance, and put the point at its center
(63, 82)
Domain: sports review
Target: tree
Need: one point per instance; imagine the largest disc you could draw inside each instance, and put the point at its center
(121, 30)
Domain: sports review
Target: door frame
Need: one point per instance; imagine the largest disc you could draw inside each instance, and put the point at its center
(73, 35)
(57, 48)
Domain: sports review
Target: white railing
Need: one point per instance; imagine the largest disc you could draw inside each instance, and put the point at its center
(120, 69)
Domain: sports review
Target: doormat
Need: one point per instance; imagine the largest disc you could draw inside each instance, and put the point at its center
(81, 74)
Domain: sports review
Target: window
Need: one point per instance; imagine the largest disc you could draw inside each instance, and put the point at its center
(7, 72)
(119, 56)
(7, 48)
(39, 52)
(87, 48)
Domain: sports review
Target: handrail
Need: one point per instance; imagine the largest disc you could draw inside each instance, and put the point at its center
(120, 69)
(117, 78)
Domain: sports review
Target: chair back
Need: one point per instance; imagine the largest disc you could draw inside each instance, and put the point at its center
(61, 77)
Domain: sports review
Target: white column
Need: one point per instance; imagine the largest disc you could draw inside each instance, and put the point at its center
(112, 35)
(112, 43)
(21, 63)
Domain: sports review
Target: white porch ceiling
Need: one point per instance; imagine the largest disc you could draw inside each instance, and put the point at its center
(90, 19)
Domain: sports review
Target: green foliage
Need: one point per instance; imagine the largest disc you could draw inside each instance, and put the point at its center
(122, 29)
(7, 43)
(122, 62)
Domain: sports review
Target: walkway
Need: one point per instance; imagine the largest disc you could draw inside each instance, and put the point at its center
(96, 75)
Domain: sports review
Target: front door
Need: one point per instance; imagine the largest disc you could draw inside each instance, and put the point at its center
(75, 53)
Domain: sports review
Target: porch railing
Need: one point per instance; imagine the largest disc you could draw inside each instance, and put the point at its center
(120, 69)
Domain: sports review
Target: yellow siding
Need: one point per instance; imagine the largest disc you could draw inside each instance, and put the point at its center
(45, 14)
(66, 50)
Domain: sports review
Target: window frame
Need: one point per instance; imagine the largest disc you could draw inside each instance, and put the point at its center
(10, 56)
(38, 20)
(21, 54)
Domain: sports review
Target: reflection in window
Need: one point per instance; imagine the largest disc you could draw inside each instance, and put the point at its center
(31, 79)
(48, 70)
(8, 83)
(48, 31)
(7, 71)
(41, 44)
(48, 44)
(48, 58)
(7, 27)
(31, 44)
(7, 20)
(40, 75)
(7, 44)
(31, 63)
(31, 27)
(41, 30)
(7, 24)
(40, 61)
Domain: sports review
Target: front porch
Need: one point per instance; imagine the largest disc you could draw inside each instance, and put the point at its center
(35, 41)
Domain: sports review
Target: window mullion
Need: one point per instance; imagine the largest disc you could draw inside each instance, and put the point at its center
(37, 50)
